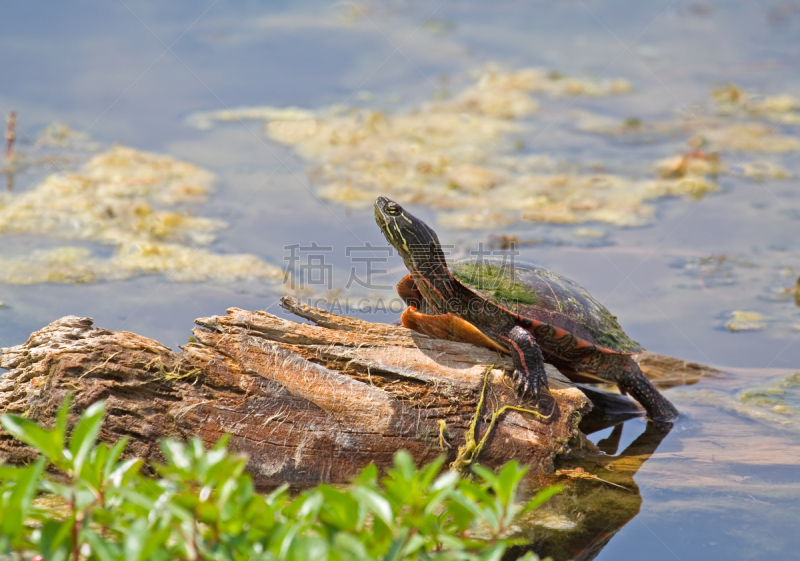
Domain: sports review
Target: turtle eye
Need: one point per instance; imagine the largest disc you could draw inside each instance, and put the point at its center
(393, 208)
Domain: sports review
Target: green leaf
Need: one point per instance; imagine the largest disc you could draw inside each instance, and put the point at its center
(309, 504)
(493, 553)
(101, 549)
(278, 497)
(347, 546)
(306, 548)
(340, 509)
(412, 513)
(46, 442)
(92, 474)
(395, 549)
(287, 539)
(176, 454)
(19, 503)
(541, 498)
(61, 420)
(414, 544)
(428, 473)
(54, 541)
(368, 475)
(447, 480)
(507, 481)
(138, 497)
(486, 475)
(404, 465)
(122, 469)
(113, 457)
(376, 504)
(84, 436)
(135, 540)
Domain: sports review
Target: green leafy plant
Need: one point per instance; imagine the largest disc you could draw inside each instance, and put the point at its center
(94, 505)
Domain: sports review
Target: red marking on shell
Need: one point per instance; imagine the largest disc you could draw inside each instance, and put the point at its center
(579, 342)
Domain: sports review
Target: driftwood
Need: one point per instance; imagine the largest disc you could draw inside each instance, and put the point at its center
(307, 403)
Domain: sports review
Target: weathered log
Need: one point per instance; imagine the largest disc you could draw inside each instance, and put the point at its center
(307, 403)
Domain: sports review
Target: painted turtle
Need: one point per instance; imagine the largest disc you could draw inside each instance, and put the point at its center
(526, 311)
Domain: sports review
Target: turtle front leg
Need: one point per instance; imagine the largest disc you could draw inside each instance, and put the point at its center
(408, 291)
(529, 370)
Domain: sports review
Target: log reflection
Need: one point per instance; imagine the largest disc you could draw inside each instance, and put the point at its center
(599, 498)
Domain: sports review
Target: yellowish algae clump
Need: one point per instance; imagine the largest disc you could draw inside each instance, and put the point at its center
(775, 402)
(746, 321)
(458, 155)
(732, 100)
(134, 201)
(453, 156)
(751, 137)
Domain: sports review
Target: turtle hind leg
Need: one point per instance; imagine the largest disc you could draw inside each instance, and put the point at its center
(632, 381)
(529, 370)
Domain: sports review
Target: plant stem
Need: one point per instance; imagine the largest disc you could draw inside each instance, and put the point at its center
(10, 133)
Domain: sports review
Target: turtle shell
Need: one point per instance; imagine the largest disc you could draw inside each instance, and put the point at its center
(544, 296)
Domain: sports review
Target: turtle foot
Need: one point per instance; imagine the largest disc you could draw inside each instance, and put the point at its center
(658, 407)
(664, 412)
(529, 373)
(531, 385)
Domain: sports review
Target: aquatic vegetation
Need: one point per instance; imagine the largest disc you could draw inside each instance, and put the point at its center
(730, 277)
(205, 120)
(461, 155)
(739, 320)
(636, 127)
(716, 269)
(57, 145)
(732, 100)
(749, 137)
(777, 401)
(458, 156)
(139, 203)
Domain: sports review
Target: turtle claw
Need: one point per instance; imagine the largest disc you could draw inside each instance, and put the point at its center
(530, 385)
(529, 371)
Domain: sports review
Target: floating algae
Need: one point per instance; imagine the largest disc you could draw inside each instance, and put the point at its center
(717, 269)
(749, 137)
(741, 320)
(461, 156)
(776, 402)
(732, 100)
(734, 277)
(649, 129)
(136, 202)
(751, 134)
(454, 156)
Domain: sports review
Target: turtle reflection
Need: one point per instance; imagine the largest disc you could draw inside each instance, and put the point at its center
(599, 498)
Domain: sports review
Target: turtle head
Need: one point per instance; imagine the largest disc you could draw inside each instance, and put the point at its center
(414, 240)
